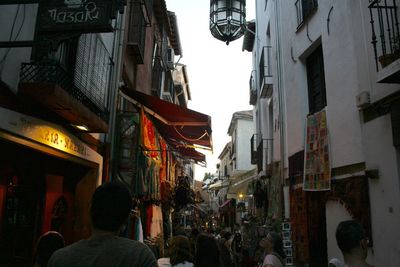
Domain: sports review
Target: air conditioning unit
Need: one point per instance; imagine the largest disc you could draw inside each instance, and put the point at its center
(170, 58)
(363, 99)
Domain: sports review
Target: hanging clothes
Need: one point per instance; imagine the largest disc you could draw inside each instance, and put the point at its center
(156, 222)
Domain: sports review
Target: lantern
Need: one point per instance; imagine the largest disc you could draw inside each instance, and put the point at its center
(227, 19)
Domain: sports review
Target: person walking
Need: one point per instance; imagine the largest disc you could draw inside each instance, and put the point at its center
(225, 256)
(207, 253)
(47, 244)
(179, 253)
(273, 247)
(109, 211)
(353, 243)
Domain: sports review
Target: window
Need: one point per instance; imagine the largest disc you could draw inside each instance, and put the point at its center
(304, 9)
(139, 19)
(316, 81)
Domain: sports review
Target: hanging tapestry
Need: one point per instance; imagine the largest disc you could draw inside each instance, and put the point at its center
(317, 168)
(298, 217)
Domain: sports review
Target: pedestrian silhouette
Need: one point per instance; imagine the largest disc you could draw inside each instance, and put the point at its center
(46, 245)
(207, 253)
(352, 242)
(109, 212)
(179, 253)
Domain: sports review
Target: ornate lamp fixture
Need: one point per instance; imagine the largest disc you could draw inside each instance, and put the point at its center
(227, 19)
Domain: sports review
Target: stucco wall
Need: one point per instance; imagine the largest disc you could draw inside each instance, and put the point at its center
(384, 191)
(244, 132)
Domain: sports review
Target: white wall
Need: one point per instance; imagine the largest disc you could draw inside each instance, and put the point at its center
(384, 192)
(349, 69)
(244, 132)
(335, 213)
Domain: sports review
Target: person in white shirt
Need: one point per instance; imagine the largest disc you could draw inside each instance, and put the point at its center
(273, 247)
(179, 253)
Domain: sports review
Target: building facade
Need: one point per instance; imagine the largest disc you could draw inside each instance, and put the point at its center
(322, 96)
(82, 90)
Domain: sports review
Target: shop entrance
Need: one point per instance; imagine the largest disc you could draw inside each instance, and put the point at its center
(37, 193)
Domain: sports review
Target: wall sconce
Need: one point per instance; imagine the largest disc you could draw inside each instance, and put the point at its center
(227, 19)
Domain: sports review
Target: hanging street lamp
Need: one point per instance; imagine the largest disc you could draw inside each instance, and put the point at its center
(227, 19)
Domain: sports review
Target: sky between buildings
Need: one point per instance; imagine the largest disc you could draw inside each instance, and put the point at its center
(218, 74)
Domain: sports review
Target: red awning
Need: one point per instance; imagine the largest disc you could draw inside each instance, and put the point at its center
(225, 203)
(178, 125)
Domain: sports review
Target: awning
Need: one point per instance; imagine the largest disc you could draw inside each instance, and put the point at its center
(225, 203)
(191, 153)
(218, 185)
(178, 125)
(240, 184)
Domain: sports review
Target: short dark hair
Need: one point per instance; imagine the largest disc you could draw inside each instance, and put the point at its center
(348, 235)
(47, 244)
(207, 252)
(180, 250)
(111, 205)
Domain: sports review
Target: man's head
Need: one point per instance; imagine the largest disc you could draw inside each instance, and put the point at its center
(351, 238)
(111, 205)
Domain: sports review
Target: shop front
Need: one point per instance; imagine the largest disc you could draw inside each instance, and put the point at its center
(155, 152)
(47, 177)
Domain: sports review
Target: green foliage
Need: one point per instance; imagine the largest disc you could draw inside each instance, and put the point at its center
(207, 175)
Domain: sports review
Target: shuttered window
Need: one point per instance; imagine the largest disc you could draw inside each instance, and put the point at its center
(316, 81)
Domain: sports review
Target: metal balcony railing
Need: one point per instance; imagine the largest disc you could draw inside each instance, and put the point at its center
(385, 31)
(54, 73)
(304, 8)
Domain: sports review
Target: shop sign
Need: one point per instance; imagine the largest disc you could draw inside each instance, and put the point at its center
(45, 133)
(76, 15)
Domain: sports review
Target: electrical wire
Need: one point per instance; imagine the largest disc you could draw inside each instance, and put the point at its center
(11, 34)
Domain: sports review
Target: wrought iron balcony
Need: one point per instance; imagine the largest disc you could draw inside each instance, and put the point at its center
(40, 80)
(385, 39)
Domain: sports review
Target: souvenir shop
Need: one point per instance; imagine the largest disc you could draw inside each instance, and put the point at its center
(47, 177)
(155, 158)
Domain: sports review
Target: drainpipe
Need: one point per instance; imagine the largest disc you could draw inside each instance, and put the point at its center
(118, 44)
(282, 122)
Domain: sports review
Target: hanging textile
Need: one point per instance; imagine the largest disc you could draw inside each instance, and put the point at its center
(148, 135)
(317, 172)
(156, 227)
(163, 168)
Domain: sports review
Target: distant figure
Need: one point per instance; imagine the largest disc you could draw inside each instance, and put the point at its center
(46, 245)
(207, 253)
(353, 243)
(225, 256)
(109, 211)
(179, 253)
(273, 247)
(193, 237)
(334, 262)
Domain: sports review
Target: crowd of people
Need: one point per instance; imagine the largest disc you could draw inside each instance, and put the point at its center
(110, 208)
